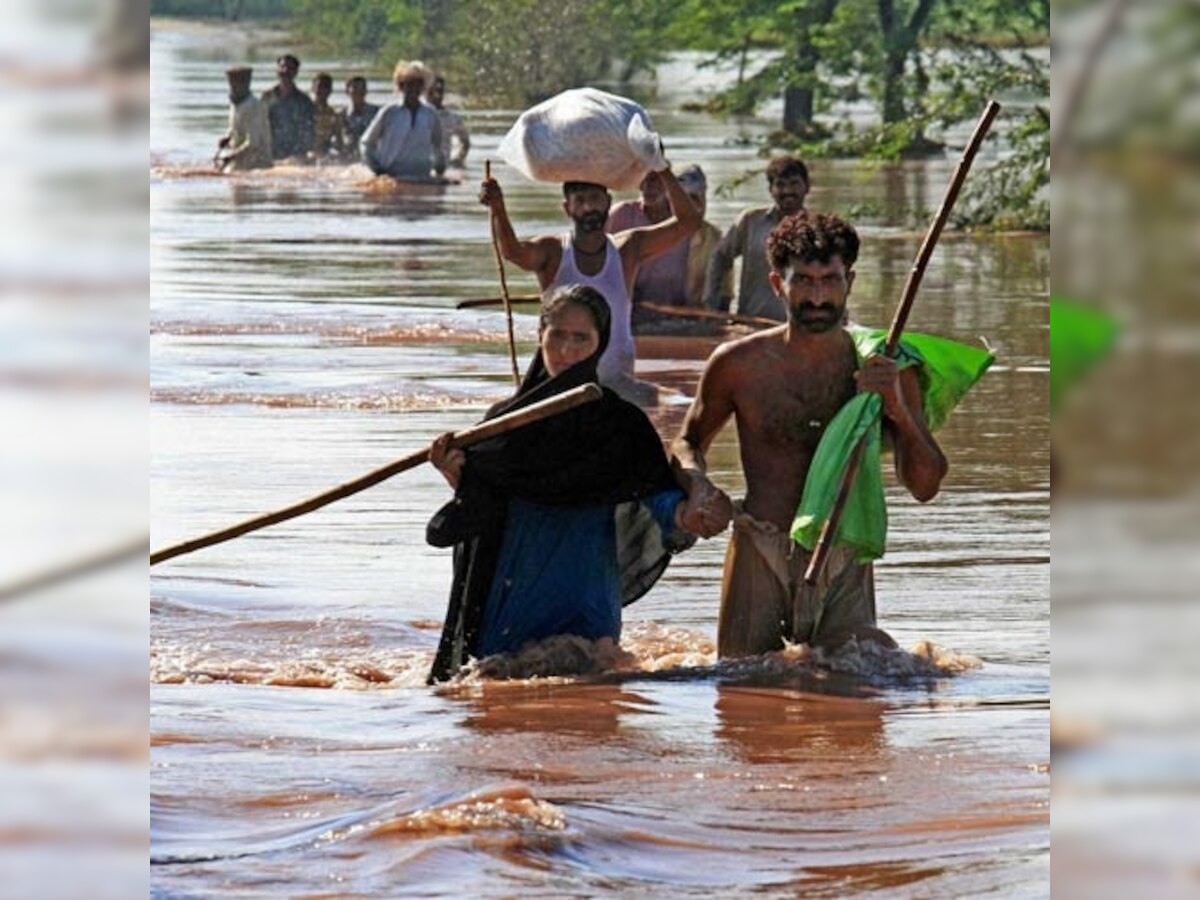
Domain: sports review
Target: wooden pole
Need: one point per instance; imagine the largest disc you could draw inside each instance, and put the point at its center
(708, 314)
(86, 565)
(681, 311)
(916, 273)
(497, 301)
(552, 406)
(512, 340)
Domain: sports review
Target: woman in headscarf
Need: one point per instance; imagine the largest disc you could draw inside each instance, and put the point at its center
(557, 525)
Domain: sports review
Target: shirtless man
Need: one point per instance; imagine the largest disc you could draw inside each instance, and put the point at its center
(586, 255)
(782, 387)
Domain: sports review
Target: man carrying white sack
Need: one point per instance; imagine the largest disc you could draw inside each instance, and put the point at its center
(587, 255)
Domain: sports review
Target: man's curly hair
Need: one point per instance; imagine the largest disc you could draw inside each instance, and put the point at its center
(808, 237)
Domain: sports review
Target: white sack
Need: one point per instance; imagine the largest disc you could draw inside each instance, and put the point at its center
(584, 135)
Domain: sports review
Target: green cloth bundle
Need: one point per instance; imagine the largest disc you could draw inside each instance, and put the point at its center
(947, 370)
(1079, 338)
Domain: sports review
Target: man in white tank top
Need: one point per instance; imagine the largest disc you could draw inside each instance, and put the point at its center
(586, 255)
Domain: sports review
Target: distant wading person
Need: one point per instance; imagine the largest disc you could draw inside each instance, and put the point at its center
(788, 184)
(328, 137)
(405, 139)
(675, 277)
(359, 116)
(456, 139)
(291, 112)
(247, 143)
(586, 255)
(557, 525)
(782, 387)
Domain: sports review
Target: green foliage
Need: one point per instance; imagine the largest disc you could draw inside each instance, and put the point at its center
(928, 66)
(499, 51)
(221, 9)
(526, 50)
(385, 29)
(1013, 192)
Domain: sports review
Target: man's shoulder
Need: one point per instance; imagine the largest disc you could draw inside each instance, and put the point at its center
(625, 216)
(735, 353)
(755, 213)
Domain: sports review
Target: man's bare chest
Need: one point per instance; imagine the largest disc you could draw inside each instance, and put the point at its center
(790, 413)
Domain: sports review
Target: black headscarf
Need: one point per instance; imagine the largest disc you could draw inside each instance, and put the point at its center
(601, 453)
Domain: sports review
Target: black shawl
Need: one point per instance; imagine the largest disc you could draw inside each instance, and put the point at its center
(606, 452)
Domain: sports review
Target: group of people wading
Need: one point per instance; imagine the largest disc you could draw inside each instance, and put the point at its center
(414, 137)
(557, 526)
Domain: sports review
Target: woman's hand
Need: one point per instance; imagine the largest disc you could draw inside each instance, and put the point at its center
(448, 460)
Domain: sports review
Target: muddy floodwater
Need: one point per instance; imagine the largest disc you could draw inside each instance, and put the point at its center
(304, 332)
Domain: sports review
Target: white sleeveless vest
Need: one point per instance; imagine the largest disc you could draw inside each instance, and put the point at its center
(617, 361)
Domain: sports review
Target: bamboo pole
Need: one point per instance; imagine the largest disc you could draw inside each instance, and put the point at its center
(708, 314)
(128, 550)
(911, 286)
(497, 301)
(512, 340)
(681, 311)
(586, 393)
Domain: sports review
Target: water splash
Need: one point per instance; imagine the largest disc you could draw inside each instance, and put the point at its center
(508, 807)
(648, 650)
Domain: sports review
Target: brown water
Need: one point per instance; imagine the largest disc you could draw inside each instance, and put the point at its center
(303, 332)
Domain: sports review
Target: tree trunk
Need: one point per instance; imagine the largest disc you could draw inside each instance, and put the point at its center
(900, 38)
(797, 109)
(436, 26)
(799, 94)
(894, 107)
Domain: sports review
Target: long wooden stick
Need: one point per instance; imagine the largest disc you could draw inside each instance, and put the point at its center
(681, 311)
(687, 312)
(512, 340)
(497, 301)
(552, 406)
(86, 565)
(911, 286)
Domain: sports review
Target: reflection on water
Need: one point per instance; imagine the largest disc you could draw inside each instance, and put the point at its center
(303, 332)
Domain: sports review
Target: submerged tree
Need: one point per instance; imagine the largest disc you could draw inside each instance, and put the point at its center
(790, 31)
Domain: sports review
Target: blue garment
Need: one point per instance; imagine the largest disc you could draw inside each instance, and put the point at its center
(558, 573)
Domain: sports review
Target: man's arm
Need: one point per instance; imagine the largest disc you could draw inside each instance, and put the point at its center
(308, 128)
(920, 463)
(464, 140)
(373, 133)
(641, 244)
(239, 124)
(532, 256)
(720, 267)
(708, 508)
(435, 136)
